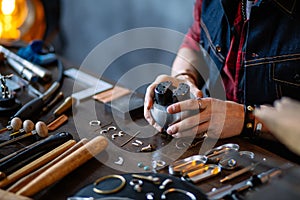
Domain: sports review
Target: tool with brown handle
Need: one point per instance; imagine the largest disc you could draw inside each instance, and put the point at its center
(30, 154)
(65, 166)
(25, 180)
(36, 163)
(11, 196)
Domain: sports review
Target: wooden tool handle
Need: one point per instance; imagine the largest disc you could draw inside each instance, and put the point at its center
(36, 163)
(65, 166)
(4, 195)
(30, 154)
(25, 180)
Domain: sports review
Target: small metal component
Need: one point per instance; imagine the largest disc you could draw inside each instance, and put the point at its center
(108, 124)
(131, 138)
(171, 190)
(140, 165)
(103, 131)
(95, 123)
(113, 136)
(137, 184)
(221, 149)
(147, 148)
(139, 142)
(155, 180)
(120, 161)
(159, 163)
(150, 196)
(120, 134)
(231, 162)
(135, 144)
(182, 166)
(205, 172)
(165, 183)
(111, 128)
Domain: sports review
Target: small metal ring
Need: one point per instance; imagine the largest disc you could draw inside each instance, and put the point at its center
(121, 133)
(189, 194)
(159, 163)
(113, 136)
(111, 128)
(135, 181)
(95, 123)
(103, 131)
(121, 178)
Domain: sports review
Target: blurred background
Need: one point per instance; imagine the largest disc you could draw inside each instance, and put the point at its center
(76, 27)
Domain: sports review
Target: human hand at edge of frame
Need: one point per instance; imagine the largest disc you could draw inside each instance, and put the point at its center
(216, 118)
(283, 121)
(149, 96)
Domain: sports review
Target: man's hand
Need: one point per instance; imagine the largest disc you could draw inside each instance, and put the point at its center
(149, 96)
(217, 118)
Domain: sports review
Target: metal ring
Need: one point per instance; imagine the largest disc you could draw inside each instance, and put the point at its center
(113, 136)
(111, 128)
(189, 194)
(103, 131)
(95, 123)
(121, 178)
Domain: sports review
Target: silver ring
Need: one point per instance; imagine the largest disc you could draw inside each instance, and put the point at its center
(171, 190)
(103, 131)
(111, 128)
(95, 123)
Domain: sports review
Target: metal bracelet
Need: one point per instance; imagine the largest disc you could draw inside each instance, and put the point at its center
(116, 189)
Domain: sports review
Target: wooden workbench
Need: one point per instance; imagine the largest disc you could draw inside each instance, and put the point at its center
(95, 168)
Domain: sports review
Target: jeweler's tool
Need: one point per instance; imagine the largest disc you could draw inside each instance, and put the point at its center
(25, 180)
(33, 108)
(15, 124)
(56, 99)
(8, 103)
(67, 104)
(253, 181)
(57, 122)
(94, 85)
(22, 71)
(239, 172)
(19, 151)
(40, 129)
(36, 163)
(38, 70)
(30, 154)
(28, 126)
(131, 138)
(65, 166)
(9, 196)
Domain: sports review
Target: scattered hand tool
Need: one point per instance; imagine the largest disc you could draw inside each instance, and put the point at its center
(65, 166)
(36, 163)
(30, 154)
(25, 180)
(40, 129)
(15, 124)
